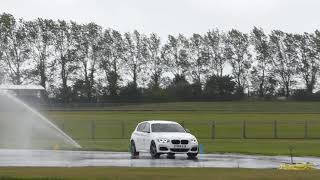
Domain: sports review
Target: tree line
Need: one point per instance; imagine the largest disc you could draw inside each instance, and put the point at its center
(86, 62)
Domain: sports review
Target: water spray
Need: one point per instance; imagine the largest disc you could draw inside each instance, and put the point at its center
(16, 102)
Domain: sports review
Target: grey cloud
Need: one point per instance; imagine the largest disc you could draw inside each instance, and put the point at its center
(175, 16)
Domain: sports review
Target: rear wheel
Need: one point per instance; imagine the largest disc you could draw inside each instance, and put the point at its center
(153, 151)
(133, 150)
(192, 155)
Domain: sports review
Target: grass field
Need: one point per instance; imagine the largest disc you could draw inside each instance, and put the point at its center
(112, 123)
(231, 106)
(155, 173)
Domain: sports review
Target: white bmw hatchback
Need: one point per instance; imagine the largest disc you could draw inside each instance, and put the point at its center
(163, 137)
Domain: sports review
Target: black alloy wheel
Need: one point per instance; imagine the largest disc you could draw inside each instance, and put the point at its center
(153, 151)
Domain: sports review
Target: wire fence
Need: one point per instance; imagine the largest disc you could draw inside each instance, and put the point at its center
(277, 129)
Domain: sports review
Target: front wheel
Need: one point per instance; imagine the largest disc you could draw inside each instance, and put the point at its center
(192, 155)
(133, 150)
(153, 151)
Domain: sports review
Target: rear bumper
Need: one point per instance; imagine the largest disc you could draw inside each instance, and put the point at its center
(170, 148)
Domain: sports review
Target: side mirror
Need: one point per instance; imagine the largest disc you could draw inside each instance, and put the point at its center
(187, 130)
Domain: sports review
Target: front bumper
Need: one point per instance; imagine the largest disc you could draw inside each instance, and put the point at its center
(176, 148)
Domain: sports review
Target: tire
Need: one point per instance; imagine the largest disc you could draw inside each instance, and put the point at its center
(153, 151)
(192, 155)
(133, 150)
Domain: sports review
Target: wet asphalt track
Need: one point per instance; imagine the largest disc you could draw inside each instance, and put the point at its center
(48, 158)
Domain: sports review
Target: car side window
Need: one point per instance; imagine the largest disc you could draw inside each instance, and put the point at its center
(146, 128)
(141, 127)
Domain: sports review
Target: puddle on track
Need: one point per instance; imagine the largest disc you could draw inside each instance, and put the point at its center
(49, 158)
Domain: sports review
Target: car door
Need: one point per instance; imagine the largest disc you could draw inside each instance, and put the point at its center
(146, 137)
(139, 137)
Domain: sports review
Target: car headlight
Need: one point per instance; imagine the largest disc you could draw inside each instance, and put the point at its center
(194, 141)
(163, 140)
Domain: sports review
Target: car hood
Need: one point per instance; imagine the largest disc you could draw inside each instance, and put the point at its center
(173, 135)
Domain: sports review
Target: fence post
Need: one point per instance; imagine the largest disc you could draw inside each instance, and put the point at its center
(306, 129)
(62, 126)
(122, 129)
(244, 133)
(93, 129)
(213, 130)
(275, 129)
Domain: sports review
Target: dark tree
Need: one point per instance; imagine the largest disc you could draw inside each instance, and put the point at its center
(215, 46)
(199, 59)
(284, 59)
(175, 53)
(80, 62)
(41, 37)
(88, 46)
(179, 88)
(155, 62)
(136, 51)
(15, 47)
(308, 62)
(65, 55)
(111, 59)
(237, 52)
(260, 72)
(219, 86)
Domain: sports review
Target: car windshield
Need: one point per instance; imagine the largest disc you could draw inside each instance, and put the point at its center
(169, 127)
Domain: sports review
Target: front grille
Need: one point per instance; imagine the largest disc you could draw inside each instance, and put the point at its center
(175, 141)
(179, 150)
(184, 141)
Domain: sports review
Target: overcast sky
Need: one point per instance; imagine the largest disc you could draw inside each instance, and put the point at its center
(175, 16)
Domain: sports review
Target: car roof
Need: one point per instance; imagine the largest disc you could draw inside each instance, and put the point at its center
(160, 121)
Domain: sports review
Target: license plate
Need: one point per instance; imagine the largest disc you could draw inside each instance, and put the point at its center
(180, 146)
